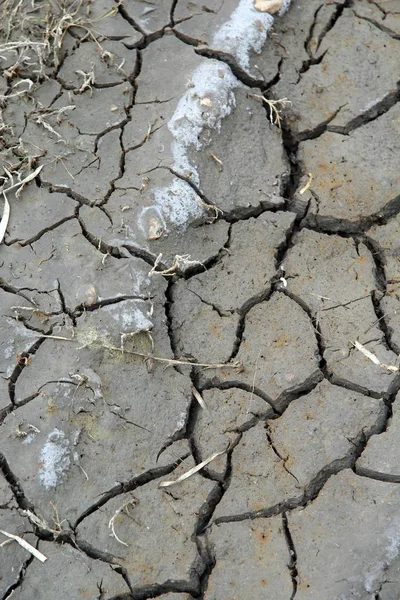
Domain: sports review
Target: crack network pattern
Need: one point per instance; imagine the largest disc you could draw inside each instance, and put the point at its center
(133, 348)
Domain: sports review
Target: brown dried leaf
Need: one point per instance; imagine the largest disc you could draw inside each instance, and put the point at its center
(268, 6)
(206, 101)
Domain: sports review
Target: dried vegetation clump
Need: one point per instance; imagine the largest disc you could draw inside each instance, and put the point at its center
(35, 38)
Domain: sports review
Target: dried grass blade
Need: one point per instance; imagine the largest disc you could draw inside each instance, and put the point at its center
(305, 188)
(199, 399)
(25, 545)
(367, 353)
(374, 358)
(5, 218)
(27, 179)
(193, 470)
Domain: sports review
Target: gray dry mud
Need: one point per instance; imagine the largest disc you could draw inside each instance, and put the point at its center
(168, 219)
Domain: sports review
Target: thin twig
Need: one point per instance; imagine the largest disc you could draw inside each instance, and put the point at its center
(169, 361)
(217, 160)
(253, 385)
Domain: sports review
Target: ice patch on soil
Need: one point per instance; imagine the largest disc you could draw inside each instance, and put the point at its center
(130, 317)
(371, 104)
(209, 99)
(246, 30)
(8, 351)
(177, 202)
(54, 458)
(181, 421)
(23, 339)
(141, 281)
(375, 574)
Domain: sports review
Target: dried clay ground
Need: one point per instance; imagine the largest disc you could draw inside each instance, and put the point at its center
(257, 333)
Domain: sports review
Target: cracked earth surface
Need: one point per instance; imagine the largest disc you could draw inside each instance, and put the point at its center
(125, 362)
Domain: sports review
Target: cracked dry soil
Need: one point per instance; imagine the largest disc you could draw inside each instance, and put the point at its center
(303, 499)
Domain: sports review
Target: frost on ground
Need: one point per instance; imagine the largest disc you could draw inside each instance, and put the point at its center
(389, 553)
(246, 30)
(132, 318)
(209, 99)
(296, 303)
(54, 459)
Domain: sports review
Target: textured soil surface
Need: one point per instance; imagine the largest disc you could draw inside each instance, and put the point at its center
(193, 273)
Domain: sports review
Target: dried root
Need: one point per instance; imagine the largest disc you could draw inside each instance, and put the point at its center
(275, 108)
(179, 263)
(124, 508)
